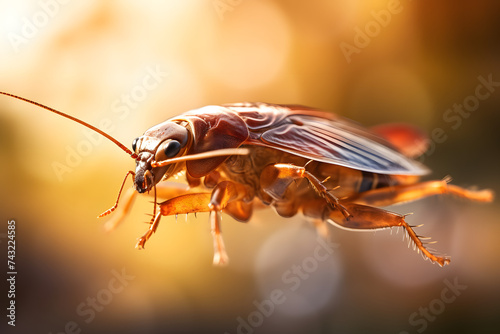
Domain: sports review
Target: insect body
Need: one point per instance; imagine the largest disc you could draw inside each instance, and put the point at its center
(294, 158)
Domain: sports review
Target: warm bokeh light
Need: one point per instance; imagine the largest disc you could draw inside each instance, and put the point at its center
(128, 65)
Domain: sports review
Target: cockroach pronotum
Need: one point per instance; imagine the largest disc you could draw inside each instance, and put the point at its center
(294, 158)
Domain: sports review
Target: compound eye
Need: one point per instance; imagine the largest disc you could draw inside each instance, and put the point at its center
(167, 149)
(172, 149)
(134, 144)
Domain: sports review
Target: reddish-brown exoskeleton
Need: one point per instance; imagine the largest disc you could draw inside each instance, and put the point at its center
(294, 158)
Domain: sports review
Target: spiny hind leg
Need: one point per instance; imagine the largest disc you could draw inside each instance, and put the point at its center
(410, 192)
(366, 217)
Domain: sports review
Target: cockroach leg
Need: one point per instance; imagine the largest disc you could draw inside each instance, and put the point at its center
(152, 229)
(223, 193)
(367, 217)
(276, 178)
(165, 190)
(107, 212)
(220, 254)
(188, 203)
(410, 192)
(239, 210)
(122, 211)
(153, 224)
(323, 192)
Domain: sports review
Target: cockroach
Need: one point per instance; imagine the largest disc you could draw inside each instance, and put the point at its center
(294, 158)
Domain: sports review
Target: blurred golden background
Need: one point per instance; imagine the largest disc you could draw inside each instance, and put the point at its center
(128, 65)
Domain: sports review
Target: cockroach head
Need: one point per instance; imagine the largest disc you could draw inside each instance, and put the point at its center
(160, 143)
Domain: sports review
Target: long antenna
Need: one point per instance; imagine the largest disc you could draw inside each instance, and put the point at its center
(102, 133)
(204, 155)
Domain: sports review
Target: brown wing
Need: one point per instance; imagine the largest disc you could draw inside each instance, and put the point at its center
(323, 137)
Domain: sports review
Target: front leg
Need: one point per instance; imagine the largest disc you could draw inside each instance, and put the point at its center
(164, 190)
(152, 229)
(224, 193)
(188, 203)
